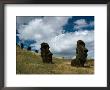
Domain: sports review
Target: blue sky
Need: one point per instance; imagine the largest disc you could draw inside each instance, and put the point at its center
(60, 32)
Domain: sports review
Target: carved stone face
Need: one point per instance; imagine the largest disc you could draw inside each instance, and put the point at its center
(45, 53)
(81, 53)
(80, 43)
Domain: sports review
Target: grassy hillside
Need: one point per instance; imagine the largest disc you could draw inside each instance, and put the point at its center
(28, 62)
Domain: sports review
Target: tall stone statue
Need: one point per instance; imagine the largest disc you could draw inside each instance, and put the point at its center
(29, 48)
(45, 53)
(81, 54)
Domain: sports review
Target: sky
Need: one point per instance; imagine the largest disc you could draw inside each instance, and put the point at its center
(60, 32)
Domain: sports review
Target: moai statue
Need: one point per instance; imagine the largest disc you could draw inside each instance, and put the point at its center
(29, 48)
(81, 54)
(22, 45)
(49, 57)
(36, 51)
(45, 53)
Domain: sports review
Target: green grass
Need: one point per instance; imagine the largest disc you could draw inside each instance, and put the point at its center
(28, 62)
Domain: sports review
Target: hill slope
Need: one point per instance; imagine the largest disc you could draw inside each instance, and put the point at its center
(28, 62)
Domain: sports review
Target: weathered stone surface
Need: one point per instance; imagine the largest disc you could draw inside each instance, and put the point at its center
(45, 53)
(81, 54)
(29, 48)
(36, 51)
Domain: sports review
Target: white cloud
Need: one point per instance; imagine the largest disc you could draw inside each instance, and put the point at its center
(49, 29)
(82, 23)
(42, 28)
(66, 43)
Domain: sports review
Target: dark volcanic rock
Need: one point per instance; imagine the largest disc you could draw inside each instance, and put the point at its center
(81, 54)
(36, 51)
(45, 53)
(29, 48)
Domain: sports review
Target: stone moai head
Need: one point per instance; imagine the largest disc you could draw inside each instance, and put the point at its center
(80, 43)
(29, 48)
(81, 53)
(45, 53)
(44, 46)
(36, 51)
